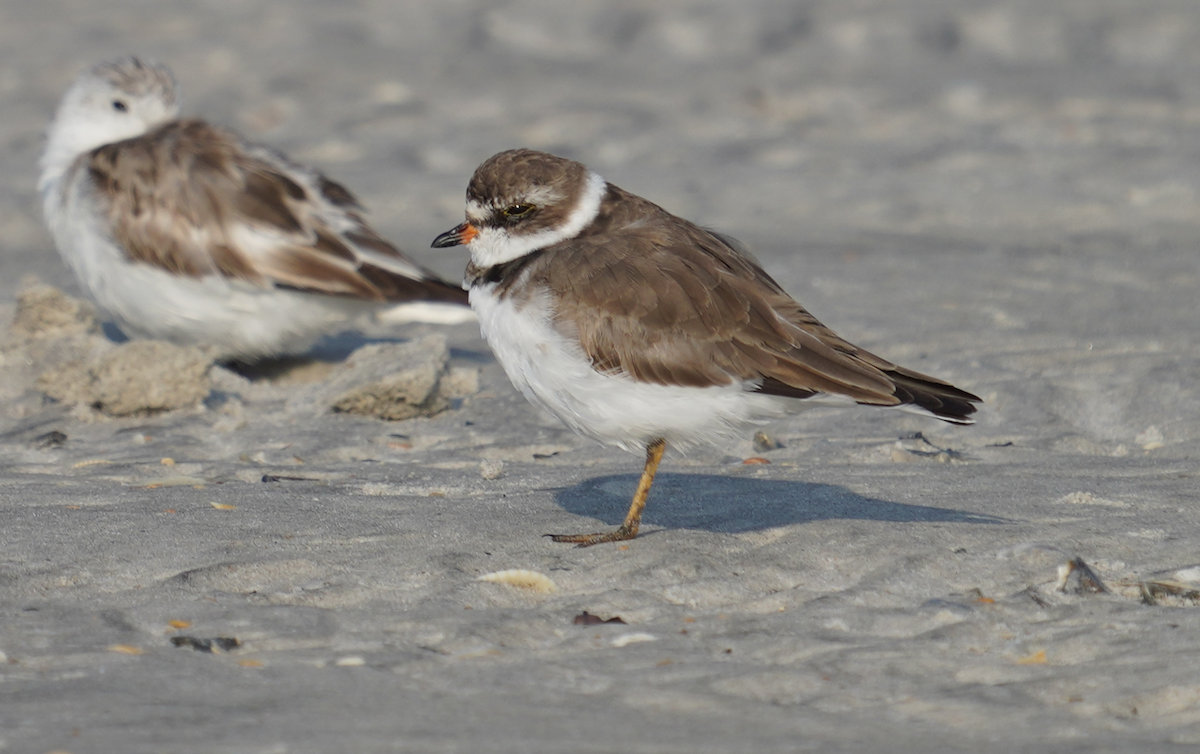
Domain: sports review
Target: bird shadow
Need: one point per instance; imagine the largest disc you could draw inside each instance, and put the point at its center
(732, 504)
(330, 349)
(333, 349)
(114, 333)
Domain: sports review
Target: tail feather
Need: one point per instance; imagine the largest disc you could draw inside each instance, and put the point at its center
(941, 399)
(399, 288)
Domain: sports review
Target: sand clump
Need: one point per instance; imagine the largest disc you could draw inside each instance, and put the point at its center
(49, 330)
(391, 381)
(55, 346)
(139, 377)
(45, 313)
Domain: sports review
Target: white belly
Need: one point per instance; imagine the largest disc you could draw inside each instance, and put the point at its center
(552, 372)
(238, 319)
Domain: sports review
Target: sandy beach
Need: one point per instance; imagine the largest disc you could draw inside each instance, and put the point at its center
(1002, 193)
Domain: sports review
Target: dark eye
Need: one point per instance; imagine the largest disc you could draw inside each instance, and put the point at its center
(517, 211)
(120, 106)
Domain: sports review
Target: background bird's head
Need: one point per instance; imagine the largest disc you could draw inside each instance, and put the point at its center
(109, 102)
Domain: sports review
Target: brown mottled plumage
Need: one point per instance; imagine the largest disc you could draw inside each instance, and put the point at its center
(177, 197)
(639, 328)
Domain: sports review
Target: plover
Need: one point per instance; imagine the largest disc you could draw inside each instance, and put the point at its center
(640, 329)
(183, 231)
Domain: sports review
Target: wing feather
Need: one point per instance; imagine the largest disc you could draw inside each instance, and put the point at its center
(674, 304)
(195, 200)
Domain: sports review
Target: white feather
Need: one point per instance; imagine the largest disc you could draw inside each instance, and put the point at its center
(427, 312)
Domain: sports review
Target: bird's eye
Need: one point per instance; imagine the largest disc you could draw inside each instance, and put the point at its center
(517, 211)
(120, 106)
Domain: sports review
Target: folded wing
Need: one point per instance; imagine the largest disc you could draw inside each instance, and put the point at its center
(195, 200)
(677, 305)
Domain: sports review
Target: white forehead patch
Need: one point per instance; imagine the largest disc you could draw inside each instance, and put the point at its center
(494, 246)
(476, 212)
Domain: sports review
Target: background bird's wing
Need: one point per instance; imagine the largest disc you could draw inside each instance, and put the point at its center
(194, 200)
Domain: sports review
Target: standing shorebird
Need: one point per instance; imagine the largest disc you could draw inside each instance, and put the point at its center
(640, 329)
(181, 230)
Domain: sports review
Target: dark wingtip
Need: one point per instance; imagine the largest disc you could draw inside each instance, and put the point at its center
(941, 399)
(401, 288)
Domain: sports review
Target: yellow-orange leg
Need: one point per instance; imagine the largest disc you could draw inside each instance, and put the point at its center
(633, 519)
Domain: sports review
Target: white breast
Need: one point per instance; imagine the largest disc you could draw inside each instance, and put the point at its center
(551, 370)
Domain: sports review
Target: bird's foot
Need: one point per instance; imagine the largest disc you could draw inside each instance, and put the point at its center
(587, 540)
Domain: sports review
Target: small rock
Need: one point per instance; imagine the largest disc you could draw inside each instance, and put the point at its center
(52, 439)
(387, 380)
(491, 468)
(764, 443)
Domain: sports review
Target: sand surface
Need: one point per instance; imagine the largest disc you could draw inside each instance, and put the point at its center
(1001, 193)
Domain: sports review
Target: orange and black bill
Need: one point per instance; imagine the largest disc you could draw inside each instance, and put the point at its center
(457, 236)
